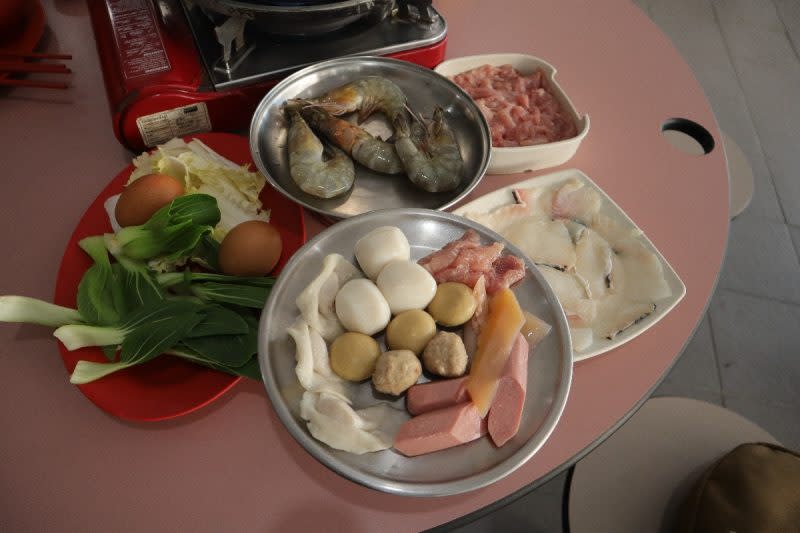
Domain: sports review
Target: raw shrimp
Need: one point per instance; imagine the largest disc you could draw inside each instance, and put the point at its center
(313, 174)
(366, 96)
(429, 152)
(373, 153)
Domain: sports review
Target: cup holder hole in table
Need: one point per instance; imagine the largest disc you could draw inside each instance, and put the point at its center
(687, 136)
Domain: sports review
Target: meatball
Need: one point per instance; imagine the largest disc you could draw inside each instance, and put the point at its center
(396, 371)
(445, 355)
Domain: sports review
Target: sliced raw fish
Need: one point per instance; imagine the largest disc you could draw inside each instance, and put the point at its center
(612, 230)
(332, 421)
(616, 313)
(571, 293)
(593, 263)
(582, 338)
(644, 279)
(316, 300)
(576, 200)
(576, 230)
(544, 241)
(534, 201)
(500, 217)
(538, 201)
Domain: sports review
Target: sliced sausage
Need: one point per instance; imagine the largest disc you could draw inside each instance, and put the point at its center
(506, 411)
(440, 429)
(426, 397)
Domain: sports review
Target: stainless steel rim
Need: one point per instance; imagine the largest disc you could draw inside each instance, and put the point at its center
(260, 112)
(318, 450)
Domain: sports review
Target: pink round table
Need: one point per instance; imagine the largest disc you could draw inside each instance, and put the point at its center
(67, 466)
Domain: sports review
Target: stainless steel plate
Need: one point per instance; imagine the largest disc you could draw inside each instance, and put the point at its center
(447, 472)
(371, 191)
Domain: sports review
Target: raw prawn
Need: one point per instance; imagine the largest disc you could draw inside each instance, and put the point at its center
(429, 152)
(373, 153)
(366, 96)
(313, 174)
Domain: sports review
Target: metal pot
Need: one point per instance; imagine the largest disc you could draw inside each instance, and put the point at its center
(302, 18)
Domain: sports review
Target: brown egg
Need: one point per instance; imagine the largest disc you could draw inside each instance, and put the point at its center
(142, 198)
(252, 248)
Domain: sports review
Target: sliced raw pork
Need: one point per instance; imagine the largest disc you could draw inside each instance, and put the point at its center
(465, 260)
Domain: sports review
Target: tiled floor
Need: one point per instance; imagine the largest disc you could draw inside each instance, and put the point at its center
(745, 354)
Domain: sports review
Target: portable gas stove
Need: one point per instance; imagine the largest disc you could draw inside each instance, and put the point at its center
(176, 67)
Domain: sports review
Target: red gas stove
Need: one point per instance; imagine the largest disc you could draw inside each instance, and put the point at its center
(176, 67)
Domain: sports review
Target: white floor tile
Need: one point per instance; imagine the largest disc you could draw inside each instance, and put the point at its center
(704, 395)
(692, 27)
(761, 260)
(789, 12)
(780, 421)
(749, 13)
(691, 12)
(696, 370)
(536, 512)
(769, 72)
(794, 231)
(757, 343)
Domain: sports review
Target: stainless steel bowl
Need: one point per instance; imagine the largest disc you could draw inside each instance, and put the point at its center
(446, 472)
(371, 191)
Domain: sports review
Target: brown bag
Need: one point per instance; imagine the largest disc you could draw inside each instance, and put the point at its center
(753, 489)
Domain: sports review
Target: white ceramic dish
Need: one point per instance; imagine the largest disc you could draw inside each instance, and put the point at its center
(509, 160)
(505, 196)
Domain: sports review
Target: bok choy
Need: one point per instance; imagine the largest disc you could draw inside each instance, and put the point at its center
(134, 314)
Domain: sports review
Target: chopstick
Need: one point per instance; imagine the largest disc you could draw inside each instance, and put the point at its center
(33, 55)
(33, 83)
(57, 68)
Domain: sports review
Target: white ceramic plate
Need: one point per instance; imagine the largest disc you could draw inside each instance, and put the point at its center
(508, 160)
(505, 196)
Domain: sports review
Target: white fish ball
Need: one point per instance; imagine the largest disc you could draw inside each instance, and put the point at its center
(406, 286)
(381, 245)
(361, 307)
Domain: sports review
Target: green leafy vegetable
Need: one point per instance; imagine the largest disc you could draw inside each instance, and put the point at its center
(88, 371)
(169, 279)
(173, 231)
(33, 311)
(227, 350)
(231, 293)
(218, 320)
(134, 315)
(155, 327)
(136, 286)
(95, 291)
